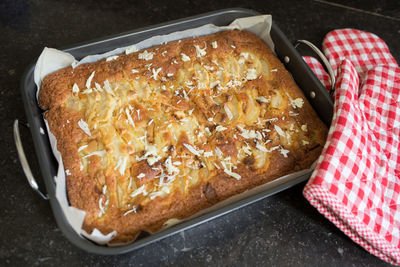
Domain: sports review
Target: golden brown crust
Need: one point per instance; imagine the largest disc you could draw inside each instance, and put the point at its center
(261, 124)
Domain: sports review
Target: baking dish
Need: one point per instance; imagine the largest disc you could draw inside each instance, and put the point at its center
(312, 88)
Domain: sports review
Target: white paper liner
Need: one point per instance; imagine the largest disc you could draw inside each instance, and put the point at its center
(52, 60)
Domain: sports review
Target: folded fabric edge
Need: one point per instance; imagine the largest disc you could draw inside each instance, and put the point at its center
(340, 216)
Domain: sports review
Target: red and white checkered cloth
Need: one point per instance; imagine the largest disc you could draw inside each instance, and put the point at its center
(356, 182)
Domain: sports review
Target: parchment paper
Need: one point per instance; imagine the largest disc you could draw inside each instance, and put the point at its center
(52, 59)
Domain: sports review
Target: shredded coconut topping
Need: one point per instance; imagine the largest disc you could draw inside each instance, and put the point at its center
(140, 190)
(262, 99)
(100, 153)
(98, 87)
(89, 80)
(220, 128)
(155, 73)
(228, 112)
(249, 134)
(194, 150)
(184, 57)
(279, 131)
(131, 210)
(107, 87)
(284, 152)
(84, 126)
(75, 88)
(82, 148)
(146, 55)
(130, 120)
(296, 103)
(200, 51)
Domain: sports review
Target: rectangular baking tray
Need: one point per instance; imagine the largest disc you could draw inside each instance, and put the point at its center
(301, 73)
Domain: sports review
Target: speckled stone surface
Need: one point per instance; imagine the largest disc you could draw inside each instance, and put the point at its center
(282, 230)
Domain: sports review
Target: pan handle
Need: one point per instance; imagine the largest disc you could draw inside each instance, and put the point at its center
(324, 60)
(24, 162)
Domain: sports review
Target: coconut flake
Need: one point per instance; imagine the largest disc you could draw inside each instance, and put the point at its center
(220, 128)
(131, 210)
(279, 131)
(84, 126)
(249, 134)
(82, 148)
(75, 88)
(135, 71)
(146, 55)
(304, 127)
(155, 73)
(194, 150)
(107, 87)
(87, 91)
(98, 87)
(141, 175)
(233, 174)
(270, 120)
(140, 190)
(228, 112)
(208, 154)
(214, 45)
(261, 147)
(284, 152)
(298, 102)
(102, 211)
(171, 169)
(129, 117)
(200, 51)
(262, 99)
(89, 80)
(100, 153)
(121, 165)
(247, 149)
(184, 57)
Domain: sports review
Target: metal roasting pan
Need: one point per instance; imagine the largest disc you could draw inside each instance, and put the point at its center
(302, 74)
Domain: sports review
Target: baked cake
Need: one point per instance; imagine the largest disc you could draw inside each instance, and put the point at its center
(165, 132)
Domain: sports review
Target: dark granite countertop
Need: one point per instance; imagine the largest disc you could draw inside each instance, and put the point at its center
(280, 230)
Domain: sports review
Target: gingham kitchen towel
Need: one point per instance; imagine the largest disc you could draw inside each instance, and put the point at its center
(356, 182)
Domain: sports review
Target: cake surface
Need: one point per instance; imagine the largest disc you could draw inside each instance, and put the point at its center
(165, 132)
